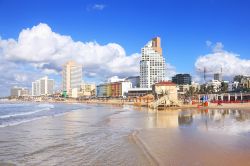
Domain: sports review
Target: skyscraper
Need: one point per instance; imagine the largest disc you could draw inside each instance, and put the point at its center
(43, 86)
(182, 79)
(218, 76)
(19, 91)
(152, 64)
(71, 76)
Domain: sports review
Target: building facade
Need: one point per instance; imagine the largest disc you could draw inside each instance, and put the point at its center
(218, 76)
(233, 86)
(71, 76)
(244, 82)
(165, 88)
(215, 84)
(182, 79)
(87, 90)
(43, 87)
(135, 80)
(113, 89)
(19, 91)
(139, 92)
(182, 89)
(152, 64)
(101, 90)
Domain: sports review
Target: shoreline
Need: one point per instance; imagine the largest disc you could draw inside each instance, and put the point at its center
(144, 148)
(244, 106)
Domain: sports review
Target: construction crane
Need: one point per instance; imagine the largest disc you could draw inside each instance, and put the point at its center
(207, 72)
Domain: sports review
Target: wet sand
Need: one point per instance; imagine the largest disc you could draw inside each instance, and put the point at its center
(208, 137)
(172, 147)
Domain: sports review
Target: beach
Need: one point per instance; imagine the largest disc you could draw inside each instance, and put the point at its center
(103, 134)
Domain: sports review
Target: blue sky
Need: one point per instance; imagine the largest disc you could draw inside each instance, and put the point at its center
(183, 25)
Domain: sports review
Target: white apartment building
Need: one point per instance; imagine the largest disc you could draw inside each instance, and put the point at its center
(71, 76)
(19, 91)
(43, 87)
(232, 86)
(88, 90)
(215, 83)
(152, 64)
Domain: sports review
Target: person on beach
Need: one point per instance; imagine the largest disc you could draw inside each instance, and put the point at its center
(219, 103)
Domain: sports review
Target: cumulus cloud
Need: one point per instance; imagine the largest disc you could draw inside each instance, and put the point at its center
(47, 50)
(96, 7)
(39, 51)
(170, 71)
(230, 63)
(14, 74)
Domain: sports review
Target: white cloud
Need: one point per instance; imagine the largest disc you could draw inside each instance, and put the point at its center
(170, 71)
(208, 43)
(218, 47)
(99, 6)
(39, 51)
(14, 74)
(230, 63)
(96, 7)
(47, 50)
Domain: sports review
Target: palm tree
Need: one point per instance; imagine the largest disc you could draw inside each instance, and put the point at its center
(223, 87)
(191, 92)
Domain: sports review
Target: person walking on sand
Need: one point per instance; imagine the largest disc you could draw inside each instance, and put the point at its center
(219, 103)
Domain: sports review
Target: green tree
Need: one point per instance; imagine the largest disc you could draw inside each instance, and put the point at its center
(203, 89)
(191, 92)
(223, 87)
(210, 89)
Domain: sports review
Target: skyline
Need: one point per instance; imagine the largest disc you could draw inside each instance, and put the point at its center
(105, 29)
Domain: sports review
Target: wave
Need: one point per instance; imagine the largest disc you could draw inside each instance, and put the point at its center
(20, 122)
(28, 113)
(14, 123)
(46, 105)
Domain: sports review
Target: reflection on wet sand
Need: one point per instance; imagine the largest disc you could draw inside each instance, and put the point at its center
(199, 137)
(186, 117)
(167, 120)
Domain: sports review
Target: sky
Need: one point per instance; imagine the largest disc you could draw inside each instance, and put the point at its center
(106, 36)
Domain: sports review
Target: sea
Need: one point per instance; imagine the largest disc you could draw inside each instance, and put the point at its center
(98, 134)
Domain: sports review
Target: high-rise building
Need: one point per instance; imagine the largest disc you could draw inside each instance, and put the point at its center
(182, 79)
(152, 64)
(135, 80)
(43, 87)
(19, 91)
(218, 76)
(71, 76)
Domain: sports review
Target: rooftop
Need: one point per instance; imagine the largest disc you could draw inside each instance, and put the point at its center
(165, 83)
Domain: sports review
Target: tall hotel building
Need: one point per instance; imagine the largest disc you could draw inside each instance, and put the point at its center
(152, 64)
(71, 76)
(43, 87)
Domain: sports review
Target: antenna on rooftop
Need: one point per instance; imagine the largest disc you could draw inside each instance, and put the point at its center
(221, 73)
(205, 74)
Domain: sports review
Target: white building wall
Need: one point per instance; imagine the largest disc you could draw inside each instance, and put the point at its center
(215, 83)
(43, 86)
(152, 66)
(71, 76)
(125, 87)
(50, 86)
(19, 91)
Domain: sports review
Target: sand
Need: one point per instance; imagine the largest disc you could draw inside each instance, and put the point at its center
(171, 147)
